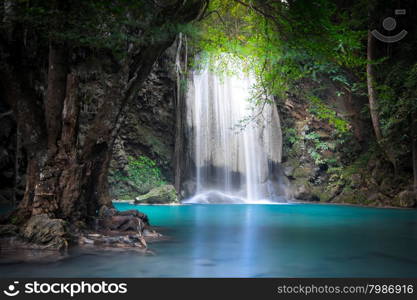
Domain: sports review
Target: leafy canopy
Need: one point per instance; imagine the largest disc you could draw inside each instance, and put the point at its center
(281, 43)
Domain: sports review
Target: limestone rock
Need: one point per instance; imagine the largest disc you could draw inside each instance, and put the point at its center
(302, 191)
(304, 171)
(160, 195)
(45, 232)
(149, 128)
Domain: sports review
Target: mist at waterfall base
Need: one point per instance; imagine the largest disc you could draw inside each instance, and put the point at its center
(236, 144)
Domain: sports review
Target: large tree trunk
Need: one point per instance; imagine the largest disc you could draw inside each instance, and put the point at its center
(67, 179)
(70, 182)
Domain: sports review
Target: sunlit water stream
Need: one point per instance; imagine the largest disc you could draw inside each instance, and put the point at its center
(298, 240)
(235, 144)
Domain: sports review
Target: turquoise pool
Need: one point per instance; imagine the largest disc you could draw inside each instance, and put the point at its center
(297, 240)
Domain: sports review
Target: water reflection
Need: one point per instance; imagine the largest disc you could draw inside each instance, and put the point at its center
(256, 241)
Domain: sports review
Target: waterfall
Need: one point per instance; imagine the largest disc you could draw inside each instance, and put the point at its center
(236, 145)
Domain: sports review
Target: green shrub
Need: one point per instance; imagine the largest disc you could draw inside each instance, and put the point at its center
(143, 174)
(322, 112)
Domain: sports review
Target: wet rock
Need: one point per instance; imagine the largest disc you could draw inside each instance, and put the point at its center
(129, 220)
(151, 233)
(122, 223)
(188, 188)
(164, 194)
(289, 171)
(8, 230)
(45, 233)
(135, 213)
(301, 191)
(109, 241)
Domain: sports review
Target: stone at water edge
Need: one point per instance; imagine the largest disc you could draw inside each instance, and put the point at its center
(406, 199)
(164, 194)
(46, 233)
(8, 230)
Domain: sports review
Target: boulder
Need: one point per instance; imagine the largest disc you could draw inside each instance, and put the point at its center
(45, 233)
(288, 170)
(122, 223)
(8, 230)
(129, 220)
(304, 171)
(301, 191)
(135, 213)
(160, 195)
(406, 199)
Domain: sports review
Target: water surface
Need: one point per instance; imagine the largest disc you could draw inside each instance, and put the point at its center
(299, 240)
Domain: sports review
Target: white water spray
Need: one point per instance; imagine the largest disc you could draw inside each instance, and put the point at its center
(237, 164)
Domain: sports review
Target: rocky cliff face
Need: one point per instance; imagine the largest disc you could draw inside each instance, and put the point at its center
(331, 158)
(148, 128)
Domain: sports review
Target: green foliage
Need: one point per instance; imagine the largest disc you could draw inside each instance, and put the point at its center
(315, 147)
(290, 135)
(323, 112)
(342, 175)
(95, 24)
(143, 174)
(285, 43)
(397, 96)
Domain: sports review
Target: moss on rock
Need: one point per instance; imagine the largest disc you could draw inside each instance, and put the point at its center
(164, 194)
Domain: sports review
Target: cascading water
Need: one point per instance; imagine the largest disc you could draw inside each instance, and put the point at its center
(237, 146)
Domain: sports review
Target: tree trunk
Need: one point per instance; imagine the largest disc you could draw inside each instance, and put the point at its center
(67, 180)
(16, 164)
(373, 102)
(414, 147)
(179, 114)
(57, 81)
